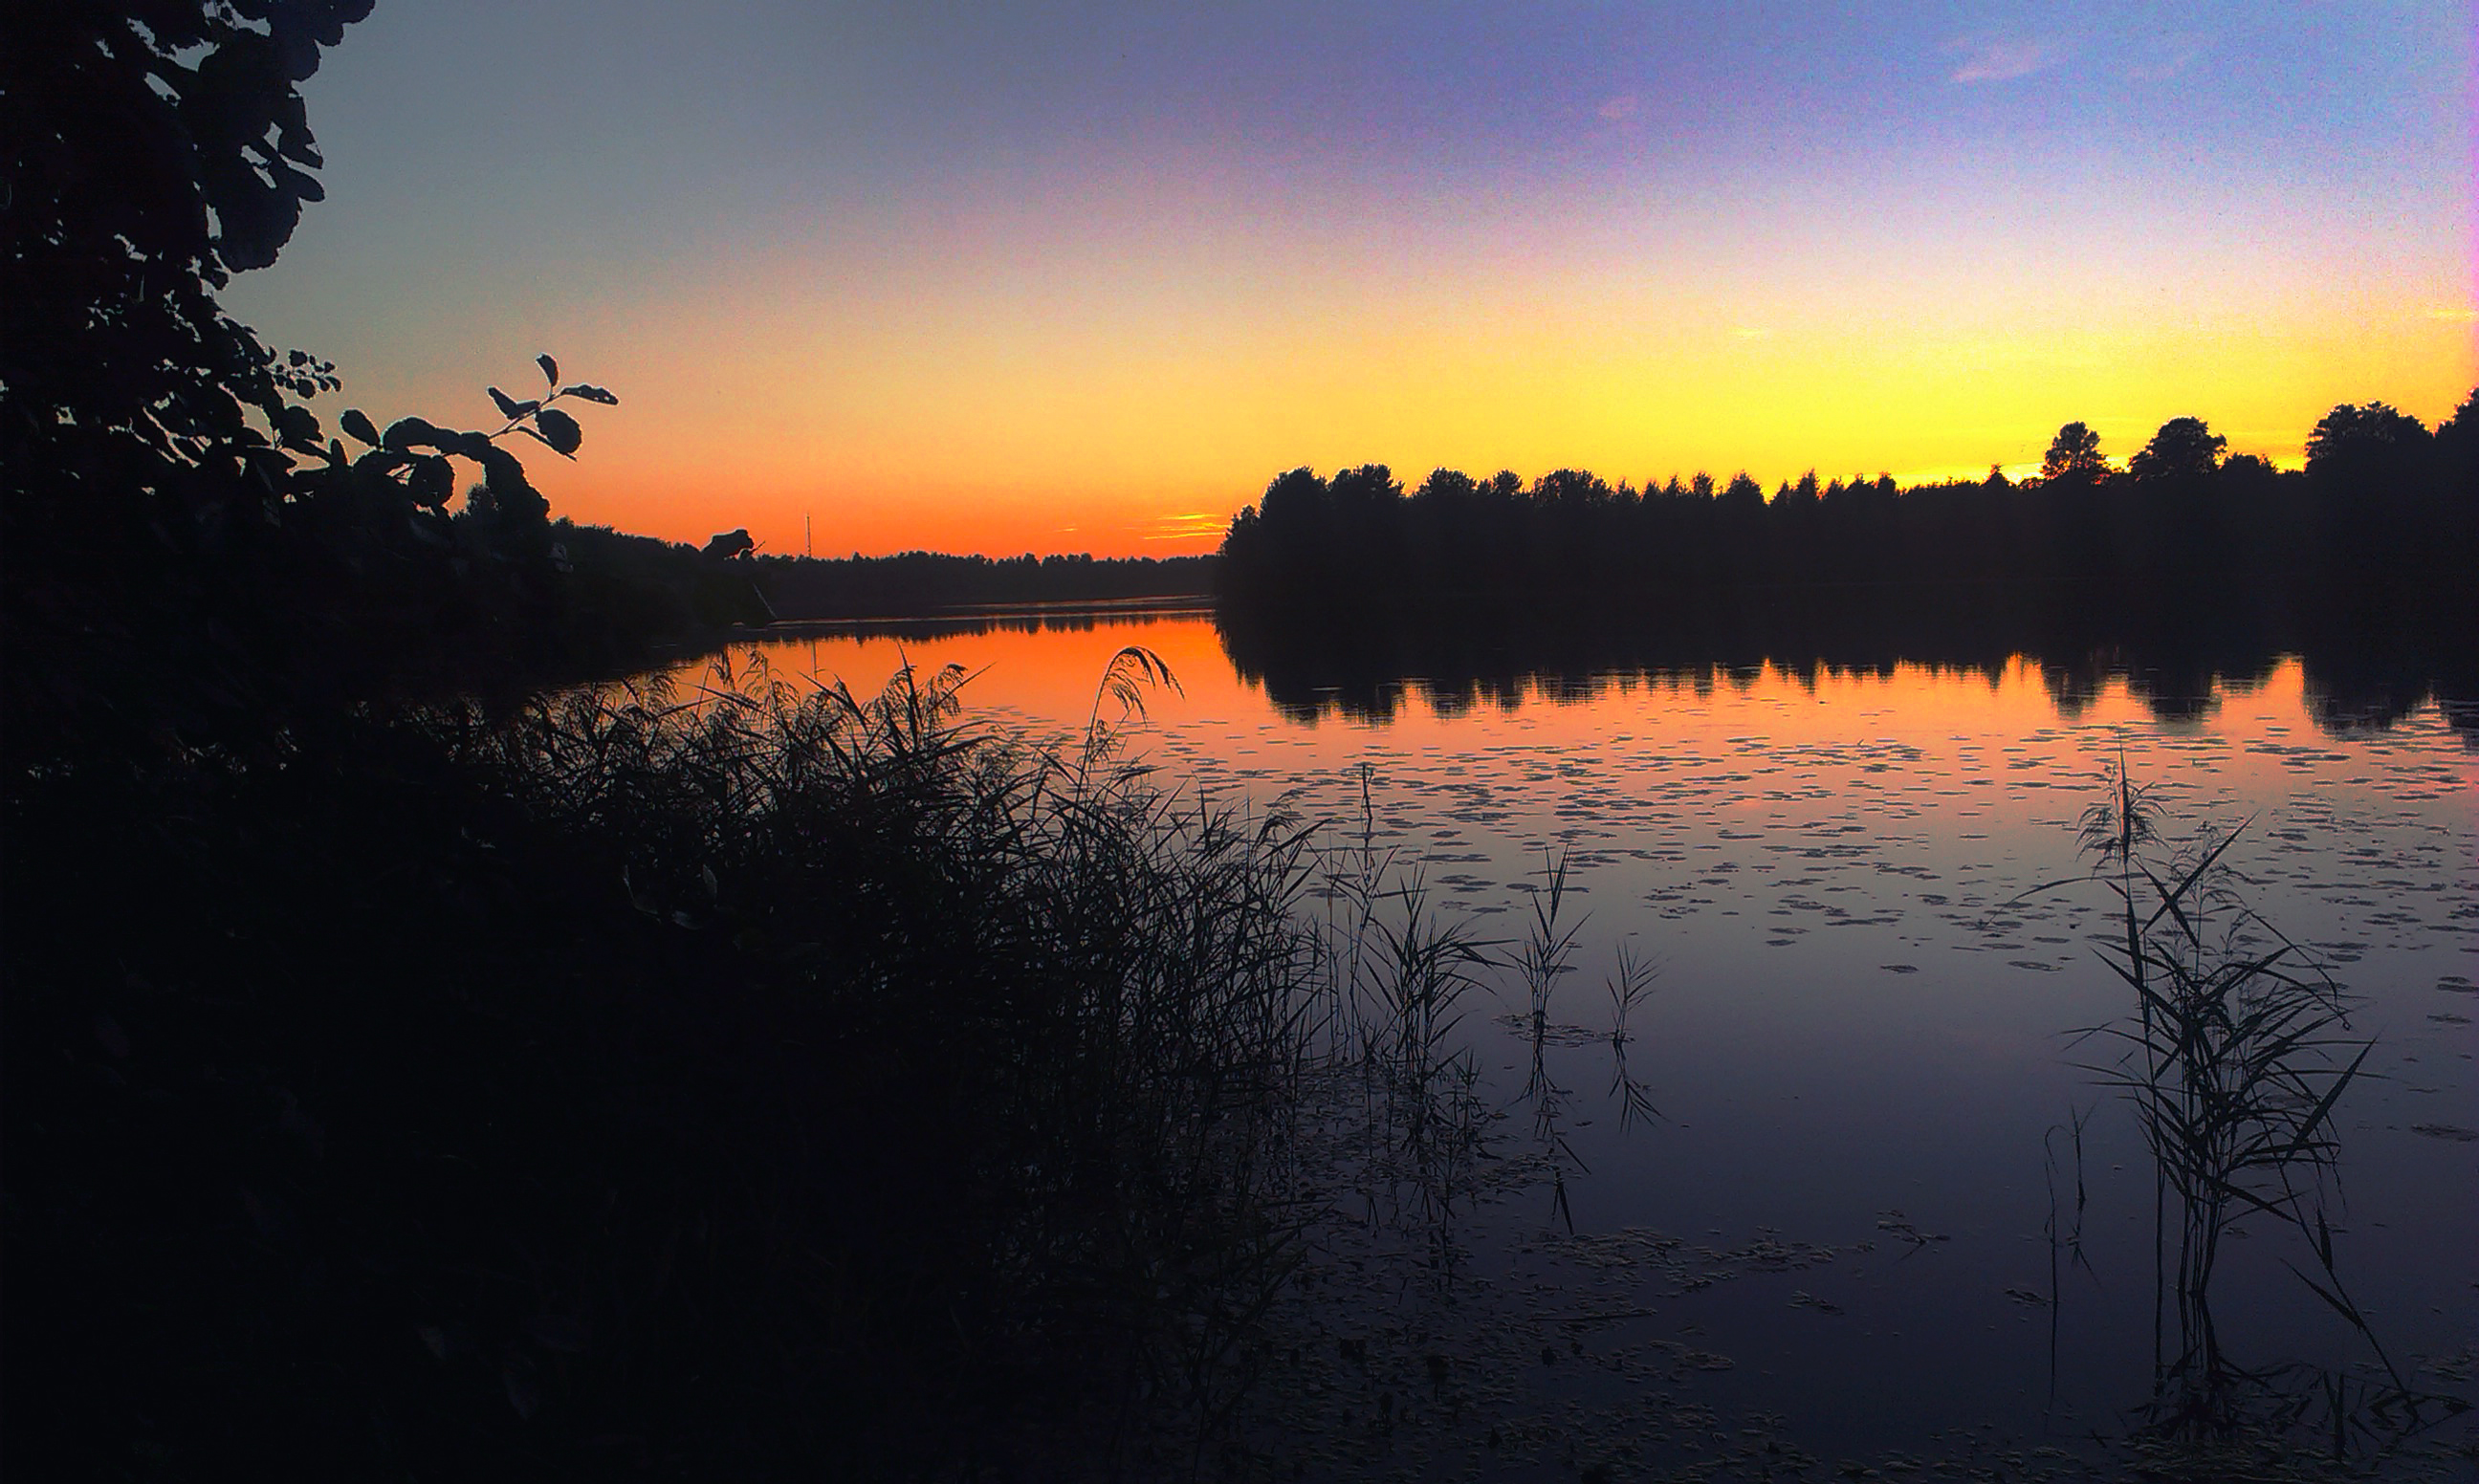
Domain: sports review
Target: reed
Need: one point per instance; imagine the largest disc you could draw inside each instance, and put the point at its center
(1396, 974)
(1125, 978)
(1629, 985)
(2236, 1056)
(1549, 949)
(732, 1070)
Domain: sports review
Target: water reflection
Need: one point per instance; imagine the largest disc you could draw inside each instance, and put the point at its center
(2238, 1056)
(1065, 617)
(1802, 1176)
(2357, 679)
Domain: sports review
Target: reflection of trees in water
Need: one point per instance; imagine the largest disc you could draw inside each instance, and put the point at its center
(2360, 673)
(1066, 618)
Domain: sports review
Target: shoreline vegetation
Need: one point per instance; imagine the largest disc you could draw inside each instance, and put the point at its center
(2383, 507)
(928, 584)
(557, 1084)
(751, 1080)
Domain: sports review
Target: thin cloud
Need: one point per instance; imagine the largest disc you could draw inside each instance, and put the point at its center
(2165, 57)
(1999, 60)
(1191, 526)
(1623, 106)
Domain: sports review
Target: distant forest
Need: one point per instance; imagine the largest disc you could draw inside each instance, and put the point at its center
(2383, 504)
(928, 583)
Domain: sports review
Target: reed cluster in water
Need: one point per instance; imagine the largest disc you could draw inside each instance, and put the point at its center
(736, 1075)
(2236, 1054)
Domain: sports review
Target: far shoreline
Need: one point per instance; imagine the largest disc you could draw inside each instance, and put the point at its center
(1172, 605)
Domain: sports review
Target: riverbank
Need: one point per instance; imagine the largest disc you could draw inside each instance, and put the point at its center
(784, 1082)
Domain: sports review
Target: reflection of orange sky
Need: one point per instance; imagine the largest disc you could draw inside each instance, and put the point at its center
(1048, 677)
(1051, 677)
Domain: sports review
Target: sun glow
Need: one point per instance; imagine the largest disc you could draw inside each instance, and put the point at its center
(1011, 310)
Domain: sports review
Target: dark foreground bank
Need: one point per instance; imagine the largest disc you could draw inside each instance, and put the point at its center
(784, 1086)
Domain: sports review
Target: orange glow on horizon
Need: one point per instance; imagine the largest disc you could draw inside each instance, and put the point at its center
(990, 446)
(1121, 370)
(898, 277)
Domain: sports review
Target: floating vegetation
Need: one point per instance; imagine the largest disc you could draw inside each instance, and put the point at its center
(1540, 1347)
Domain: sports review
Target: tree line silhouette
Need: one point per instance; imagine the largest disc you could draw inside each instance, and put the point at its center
(2382, 502)
(920, 583)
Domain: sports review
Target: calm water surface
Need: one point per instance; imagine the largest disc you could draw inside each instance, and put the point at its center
(1857, 1056)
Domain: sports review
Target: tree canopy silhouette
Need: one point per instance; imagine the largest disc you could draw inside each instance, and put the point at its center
(2383, 507)
(2074, 454)
(2184, 445)
(2372, 432)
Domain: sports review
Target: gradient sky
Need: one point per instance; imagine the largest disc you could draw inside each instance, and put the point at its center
(1084, 276)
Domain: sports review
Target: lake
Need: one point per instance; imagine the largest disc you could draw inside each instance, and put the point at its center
(1821, 1202)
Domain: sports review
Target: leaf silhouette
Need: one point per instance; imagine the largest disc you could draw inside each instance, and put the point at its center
(559, 431)
(413, 433)
(434, 479)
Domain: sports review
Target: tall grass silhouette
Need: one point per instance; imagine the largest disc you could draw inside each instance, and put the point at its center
(774, 1075)
(2236, 1056)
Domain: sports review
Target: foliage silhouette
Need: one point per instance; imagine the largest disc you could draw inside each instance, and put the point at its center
(2183, 447)
(747, 1081)
(2074, 454)
(187, 554)
(155, 151)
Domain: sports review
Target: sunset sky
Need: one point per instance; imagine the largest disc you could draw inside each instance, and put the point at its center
(1084, 276)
